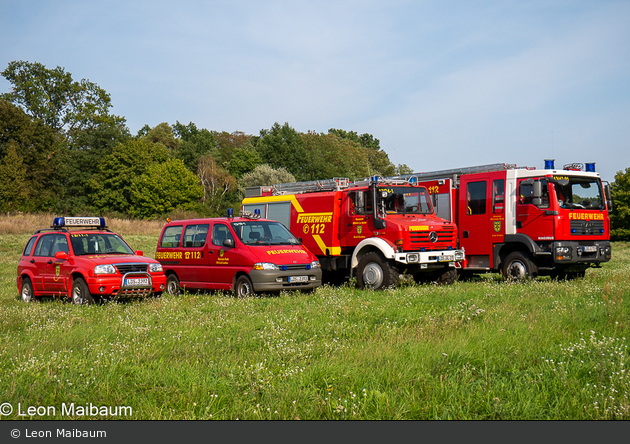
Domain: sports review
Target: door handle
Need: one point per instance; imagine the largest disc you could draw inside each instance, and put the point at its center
(32, 261)
(466, 234)
(49, 262)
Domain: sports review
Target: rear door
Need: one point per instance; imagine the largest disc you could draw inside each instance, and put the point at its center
(474, 219)
(41, 260)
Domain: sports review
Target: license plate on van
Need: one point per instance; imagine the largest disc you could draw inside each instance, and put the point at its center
(136, 282)
(293, 279)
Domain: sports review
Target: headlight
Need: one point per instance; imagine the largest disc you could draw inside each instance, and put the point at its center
(104, 269)
(459, 255)
(315, 264)
(265, 266)
(155, 268)
(563, 250)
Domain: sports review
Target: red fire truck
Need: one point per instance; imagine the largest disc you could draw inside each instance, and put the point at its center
(524, 222)
(375, 229)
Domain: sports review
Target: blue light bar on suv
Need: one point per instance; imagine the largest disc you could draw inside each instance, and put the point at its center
(67, 222)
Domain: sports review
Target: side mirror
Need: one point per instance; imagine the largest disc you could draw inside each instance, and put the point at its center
(138, 253)
(228, 243)
(61, 255)
(609, 203)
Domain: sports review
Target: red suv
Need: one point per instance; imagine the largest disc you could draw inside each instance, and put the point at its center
(85, 264)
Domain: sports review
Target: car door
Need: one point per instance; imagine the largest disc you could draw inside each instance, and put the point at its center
(194, 271)
(56, 269)
(41, 260)
(224, 260)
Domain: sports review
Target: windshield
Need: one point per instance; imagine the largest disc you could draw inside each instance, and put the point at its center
(98, 243)
(580, 192)
(404, 200)
(263, 233)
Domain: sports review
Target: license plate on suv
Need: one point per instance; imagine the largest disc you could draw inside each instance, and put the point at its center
(136, 282)
(293, 279)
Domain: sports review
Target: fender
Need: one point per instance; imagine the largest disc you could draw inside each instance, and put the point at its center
(520, 239)
(385, 247)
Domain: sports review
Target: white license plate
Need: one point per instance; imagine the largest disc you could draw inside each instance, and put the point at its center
(590, 249)
(137, 282)
(446, 258)
(298, 278)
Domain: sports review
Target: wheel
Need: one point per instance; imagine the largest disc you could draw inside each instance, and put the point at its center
(375, 272)
(172, 285)
(27, 290)
(243, 287)
(80, 293)
(518, 266)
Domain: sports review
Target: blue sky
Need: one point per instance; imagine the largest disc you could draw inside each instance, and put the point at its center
(441, 84)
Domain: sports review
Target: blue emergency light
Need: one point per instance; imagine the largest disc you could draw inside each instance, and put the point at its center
(549, 164)
(230, 213)
(589, 167)
(257, 211)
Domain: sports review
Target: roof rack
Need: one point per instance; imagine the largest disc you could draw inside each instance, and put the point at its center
(458, 171)
(334, 184)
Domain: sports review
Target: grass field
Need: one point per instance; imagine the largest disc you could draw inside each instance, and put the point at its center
(473, 350)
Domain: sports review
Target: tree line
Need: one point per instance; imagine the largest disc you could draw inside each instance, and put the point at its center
(63, 151)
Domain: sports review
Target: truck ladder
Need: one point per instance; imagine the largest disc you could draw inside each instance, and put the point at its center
(444, 174)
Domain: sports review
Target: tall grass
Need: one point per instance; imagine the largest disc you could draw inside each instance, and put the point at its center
(473, 350)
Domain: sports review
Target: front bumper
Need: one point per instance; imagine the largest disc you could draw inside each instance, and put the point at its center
(440, 257)
(580, 252)
(125, 286)
(278, 280)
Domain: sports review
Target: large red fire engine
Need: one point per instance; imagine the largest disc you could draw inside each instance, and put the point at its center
(524, 222)
(375, 229)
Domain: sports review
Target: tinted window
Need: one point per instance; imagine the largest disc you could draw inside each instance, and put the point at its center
(98, 243)
(476, 198)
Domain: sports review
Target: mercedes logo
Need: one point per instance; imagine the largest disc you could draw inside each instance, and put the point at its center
(433, 237)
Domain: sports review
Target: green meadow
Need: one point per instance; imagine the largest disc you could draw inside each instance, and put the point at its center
(482, 349)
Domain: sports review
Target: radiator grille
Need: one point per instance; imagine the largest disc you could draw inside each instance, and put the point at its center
(127, 268)
(591, 227)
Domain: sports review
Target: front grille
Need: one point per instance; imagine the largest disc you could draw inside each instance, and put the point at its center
(446, 237)
(590, 228)
(128, 268)
(293, 267)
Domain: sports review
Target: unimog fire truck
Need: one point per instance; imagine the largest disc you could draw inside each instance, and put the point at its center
(375, 229)
(524, 222)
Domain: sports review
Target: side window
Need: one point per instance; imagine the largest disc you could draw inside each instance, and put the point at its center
(44, 245)
(29, 246)
(171, 236)
(498, 196)
(476, 198)
(526, 194)
(61, 244)
(220, 232)
(195, 235)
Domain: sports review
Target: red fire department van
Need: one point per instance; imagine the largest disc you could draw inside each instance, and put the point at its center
(80, 258)
(524, 222)
(246, 254)
(375, 229)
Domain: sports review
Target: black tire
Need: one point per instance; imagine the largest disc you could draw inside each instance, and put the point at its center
(518, 266)
(243, 287)
(375, 272)
(172, 285)
(80, 292)
(26, 292)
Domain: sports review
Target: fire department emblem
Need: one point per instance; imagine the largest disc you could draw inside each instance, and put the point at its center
(497, 225)
(57, 270)
(359, 229)
(221, 253)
